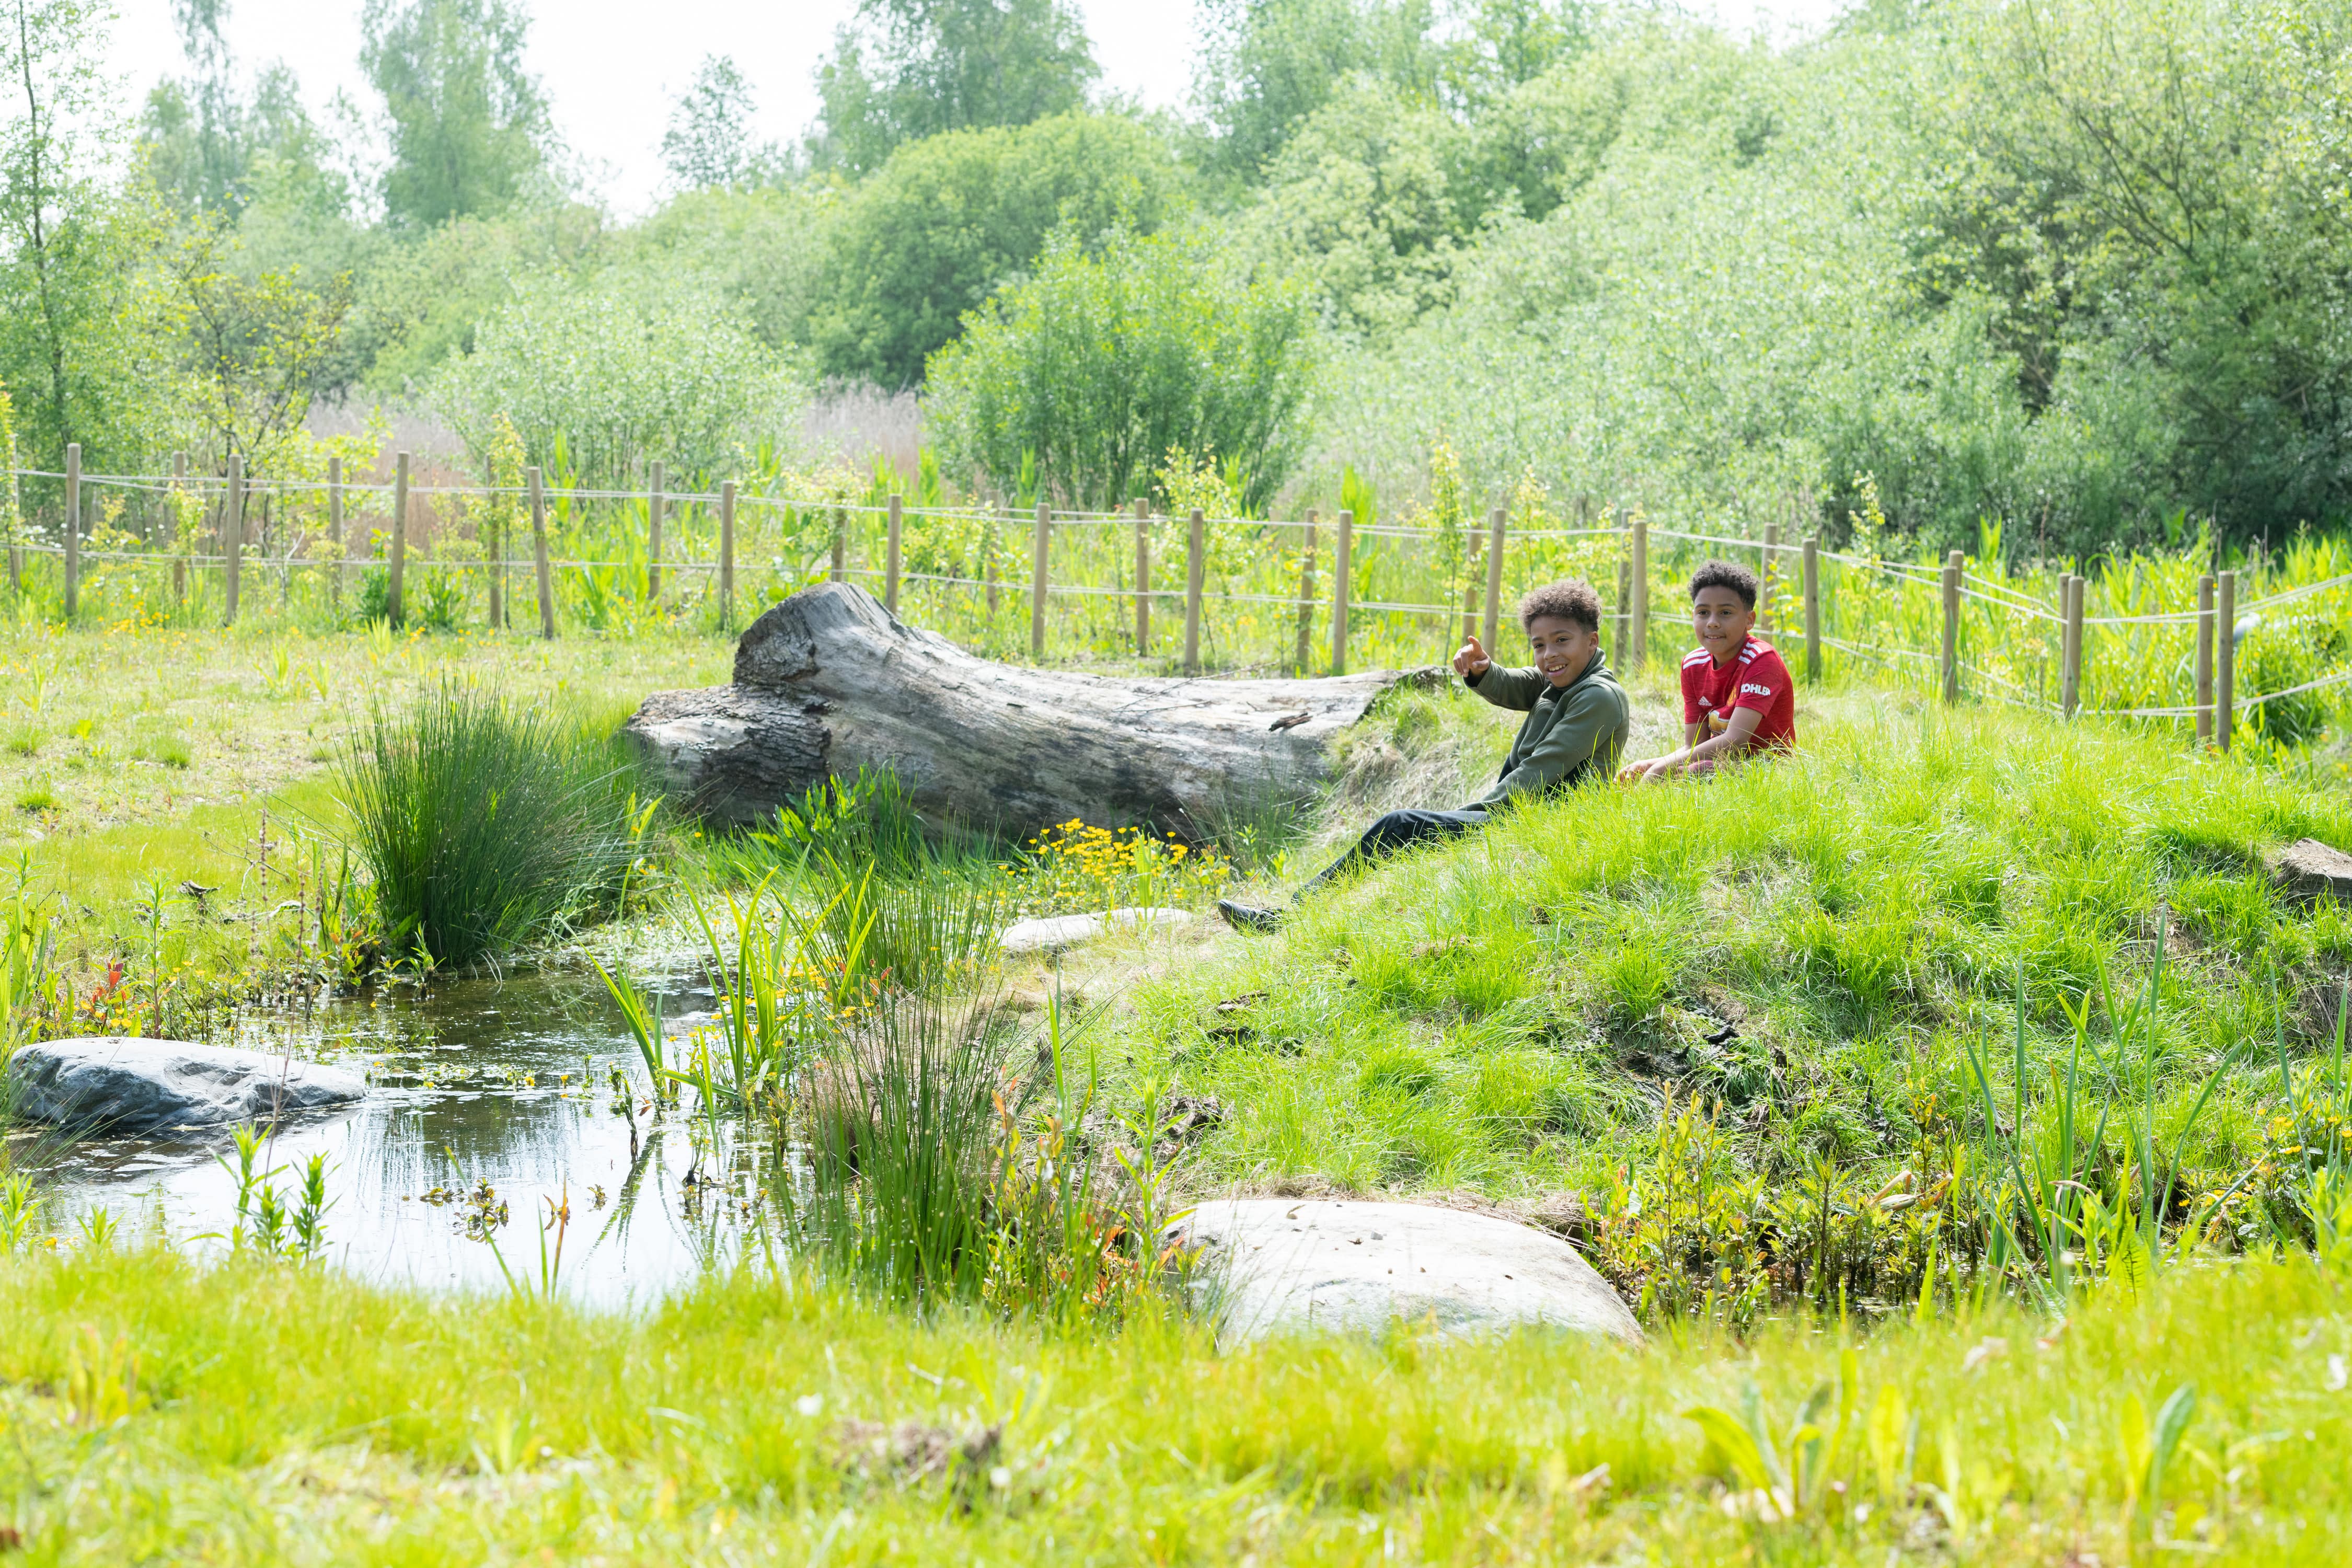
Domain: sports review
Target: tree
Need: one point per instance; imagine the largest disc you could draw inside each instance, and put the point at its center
(1267, 65)
(193, 128)
(1503, 43)
(468, 125)
(1367, 204)
(69, 326)
(2126, 184)
(260, 348)
(905, 70)
(708, 145)
(1092, 370)
(202, 139)
(948, 218)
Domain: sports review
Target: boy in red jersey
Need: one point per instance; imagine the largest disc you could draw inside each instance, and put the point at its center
(1737, 696)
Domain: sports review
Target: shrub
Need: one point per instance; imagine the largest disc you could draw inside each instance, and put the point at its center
(484, 825)
(1097, 366)
(948, 220)
(600, 379)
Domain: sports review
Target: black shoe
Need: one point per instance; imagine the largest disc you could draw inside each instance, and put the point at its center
(1243, 917)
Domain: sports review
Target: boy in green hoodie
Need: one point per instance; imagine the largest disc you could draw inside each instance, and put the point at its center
(1574, 730)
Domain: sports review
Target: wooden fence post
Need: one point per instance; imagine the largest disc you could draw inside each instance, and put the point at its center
(1040, 548)
(2225, 628)
(2069, 644)
(1307, 597)
(233, 529)
(654, 506)
(1771, 576)
(1143, 579)
(1621, 619)
(726, 554)
(539, 553)
(498, 561)
(891, 554)
(1812, 608)
(2205, 660)
(73, 530)
(1194, 566)
(1637, 628)
(1339, 581)
(988, 542)
(179, 555)
(335, 529)
(392, 606)
(15, 521)
(1952, 627)
(1495, 576)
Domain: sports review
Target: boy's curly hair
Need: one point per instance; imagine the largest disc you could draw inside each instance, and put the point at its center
(1572, 601)
(1725, 575)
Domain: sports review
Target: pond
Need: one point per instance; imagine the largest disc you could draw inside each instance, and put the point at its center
(492, 1104)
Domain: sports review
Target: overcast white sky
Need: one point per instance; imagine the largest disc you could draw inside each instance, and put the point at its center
(611, 68)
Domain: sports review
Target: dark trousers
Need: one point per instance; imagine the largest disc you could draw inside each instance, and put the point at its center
(1398, 830)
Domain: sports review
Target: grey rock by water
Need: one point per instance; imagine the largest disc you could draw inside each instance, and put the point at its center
(2311, 868)
(115, 1083)
(1057, 932)
(1284, 1264)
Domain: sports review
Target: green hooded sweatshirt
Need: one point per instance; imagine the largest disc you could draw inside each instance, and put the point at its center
(1572, 733)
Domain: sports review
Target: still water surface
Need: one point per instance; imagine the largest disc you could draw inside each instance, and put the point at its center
(503, 1082)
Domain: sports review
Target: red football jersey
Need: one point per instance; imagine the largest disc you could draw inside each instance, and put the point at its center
(1756, 679)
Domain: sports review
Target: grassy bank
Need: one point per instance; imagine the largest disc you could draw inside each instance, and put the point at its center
(141, 763)
(1737, 1019)
(152, 1409)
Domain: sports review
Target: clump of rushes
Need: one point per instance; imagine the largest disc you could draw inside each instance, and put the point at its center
(484, 825)
(953, 1154)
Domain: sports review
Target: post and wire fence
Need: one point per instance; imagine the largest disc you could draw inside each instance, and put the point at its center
(2156, 640)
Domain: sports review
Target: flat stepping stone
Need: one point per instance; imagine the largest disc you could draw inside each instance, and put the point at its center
(122, 1084)
(1331, 1264)
(1058, 932)
(2314, 869)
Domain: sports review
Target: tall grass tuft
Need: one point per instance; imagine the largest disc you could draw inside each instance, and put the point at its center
(931, 929)
(898, 1123)
(485, 825)
(953, 1154)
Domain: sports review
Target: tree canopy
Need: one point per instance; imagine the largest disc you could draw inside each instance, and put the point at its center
(905, 70)
(468, 124)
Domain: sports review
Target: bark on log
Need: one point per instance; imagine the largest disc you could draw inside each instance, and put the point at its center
(829, 681)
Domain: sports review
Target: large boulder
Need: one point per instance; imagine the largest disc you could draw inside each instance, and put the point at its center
(1284, 1265)
(117, 1083)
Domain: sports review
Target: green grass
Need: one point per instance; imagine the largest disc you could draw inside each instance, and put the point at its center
(192, 741)
(1543, 1005)
(483, 823)
(158, 1410)
(1540, 1006)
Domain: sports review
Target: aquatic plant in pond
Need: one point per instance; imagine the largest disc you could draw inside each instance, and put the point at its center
(952, 1154)
(483, 823)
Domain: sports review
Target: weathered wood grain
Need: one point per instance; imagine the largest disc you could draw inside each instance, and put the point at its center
(828, 681)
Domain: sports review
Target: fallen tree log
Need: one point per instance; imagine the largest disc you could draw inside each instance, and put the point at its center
(829, 681)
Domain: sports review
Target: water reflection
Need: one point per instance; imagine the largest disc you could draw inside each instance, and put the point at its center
(489, 1099)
